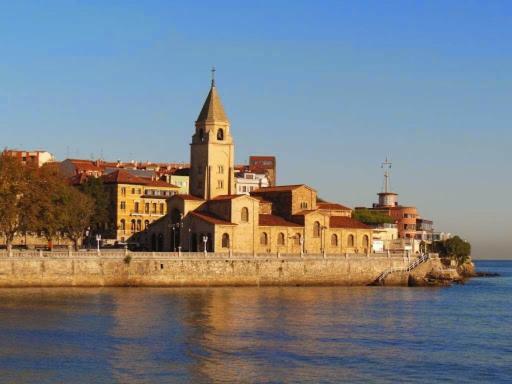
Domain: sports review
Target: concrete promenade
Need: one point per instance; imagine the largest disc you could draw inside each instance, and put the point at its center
(173, 269)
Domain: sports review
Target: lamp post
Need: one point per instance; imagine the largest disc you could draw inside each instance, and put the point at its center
(189, 239)
(98, 240)
(322, 239)
(205, 240)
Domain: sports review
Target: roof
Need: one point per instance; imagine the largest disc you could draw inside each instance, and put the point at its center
(346, 222)
(188, 197)
(212, 109)
(210, 218)
(332, 206)
(227, 197)
(277, 221)
(280, 188)
(122, 176)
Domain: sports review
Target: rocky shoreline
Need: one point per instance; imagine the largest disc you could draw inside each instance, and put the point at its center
(448, 275)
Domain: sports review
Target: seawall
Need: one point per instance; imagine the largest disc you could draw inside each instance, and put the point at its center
(89, 269)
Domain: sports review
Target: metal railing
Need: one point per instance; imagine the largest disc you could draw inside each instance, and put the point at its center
(420, 260)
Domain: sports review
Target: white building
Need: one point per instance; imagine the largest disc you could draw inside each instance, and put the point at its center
(246, 182)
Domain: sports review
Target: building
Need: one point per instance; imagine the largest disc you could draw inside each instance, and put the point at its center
(136, 202)
(247, 181)
(274, 219)
(408, 222)
(37, 158)
(264, 165)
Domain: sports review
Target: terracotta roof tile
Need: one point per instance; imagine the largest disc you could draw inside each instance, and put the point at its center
(188, 197)
(279, 188)
(332, 206)
(346, 222)
(124, 177)
(210, 218)
(275, 221)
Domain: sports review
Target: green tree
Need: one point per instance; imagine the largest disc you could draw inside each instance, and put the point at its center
(454, 248)
(95, 189)
(370, 217)
(14, 188)
(78, 209)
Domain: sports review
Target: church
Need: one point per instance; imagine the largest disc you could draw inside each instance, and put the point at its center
(288, 219)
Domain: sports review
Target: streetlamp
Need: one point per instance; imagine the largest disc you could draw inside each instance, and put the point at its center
(205, 240)
(189, 239)
(322, 239)
(98, 240)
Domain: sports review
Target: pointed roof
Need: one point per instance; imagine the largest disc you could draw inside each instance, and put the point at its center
(212, 109)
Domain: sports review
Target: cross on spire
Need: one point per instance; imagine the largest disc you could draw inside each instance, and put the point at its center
(213, 76)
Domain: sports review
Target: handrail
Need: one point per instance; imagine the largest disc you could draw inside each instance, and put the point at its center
(420, 260)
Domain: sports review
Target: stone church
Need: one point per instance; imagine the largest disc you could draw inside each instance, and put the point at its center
(288, 219)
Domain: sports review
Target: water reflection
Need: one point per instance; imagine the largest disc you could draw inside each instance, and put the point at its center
(150, 335)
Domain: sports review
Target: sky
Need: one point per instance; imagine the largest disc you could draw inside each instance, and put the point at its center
(331, 88)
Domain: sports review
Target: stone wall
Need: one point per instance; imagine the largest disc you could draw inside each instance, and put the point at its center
(173, 270)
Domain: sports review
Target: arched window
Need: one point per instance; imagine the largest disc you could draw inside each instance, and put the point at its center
(280, 239)
(350, 241)
(334, 240)
(132, 227)
(122, 227)
(162, 206)
(146, 224)
(296, 239)
(225, 240)
(245, 215)
(316, 229)
(366, 241)
(264, 238)
(220, 134)
(201, 134)
(139, 225)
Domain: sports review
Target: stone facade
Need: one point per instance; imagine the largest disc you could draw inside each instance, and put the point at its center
(270, 220)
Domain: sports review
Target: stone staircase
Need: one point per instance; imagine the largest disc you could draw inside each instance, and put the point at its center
(414, 264)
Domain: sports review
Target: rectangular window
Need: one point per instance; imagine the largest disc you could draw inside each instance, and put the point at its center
(123, 205)
(147, 208)
(154, 207)
(123, 191)
(133, 191)
(162, 208)
(136, 207)
(220, 184)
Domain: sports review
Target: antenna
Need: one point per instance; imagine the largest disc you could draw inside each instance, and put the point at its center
(386, 165)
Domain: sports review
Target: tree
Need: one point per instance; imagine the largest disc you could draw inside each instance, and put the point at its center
(454, 248)
(14, 188)
(95, 189)
(370, 217)
(77, 212)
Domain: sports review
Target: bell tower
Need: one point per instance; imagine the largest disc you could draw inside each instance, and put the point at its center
(212, 150)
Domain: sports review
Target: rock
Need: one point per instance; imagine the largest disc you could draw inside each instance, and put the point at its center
(486, 274)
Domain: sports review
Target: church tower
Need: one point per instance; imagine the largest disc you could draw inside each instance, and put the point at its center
(212, 150)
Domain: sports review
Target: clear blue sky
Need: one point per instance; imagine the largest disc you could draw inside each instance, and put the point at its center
(329, 87)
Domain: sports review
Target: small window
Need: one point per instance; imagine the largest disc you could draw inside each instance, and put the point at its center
(201, 134)
(132, 226)
(123, 205)
(220, 169)
(220, 134)
(366, 241)
(122, 226)
(263, 238)
(123, 191)
(225, 240)
(147, 207)
(136, 207)
(280, 239)
(245, 215)
(220, 184)
(162, 208)
(296, 239)
(350, 241)
(334, 240)
(316, 229)
(146, 224)
(139, 225)
(154, 208)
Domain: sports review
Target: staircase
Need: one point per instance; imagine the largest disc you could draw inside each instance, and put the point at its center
(420, 260)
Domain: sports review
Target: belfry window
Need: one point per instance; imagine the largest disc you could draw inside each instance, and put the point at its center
(201, 134)
(220, 134)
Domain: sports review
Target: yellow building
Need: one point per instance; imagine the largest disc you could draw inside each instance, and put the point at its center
(138, 202)
(279, 219)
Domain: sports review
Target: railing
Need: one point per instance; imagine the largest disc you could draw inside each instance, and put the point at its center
(184, 255)
(420, 260)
